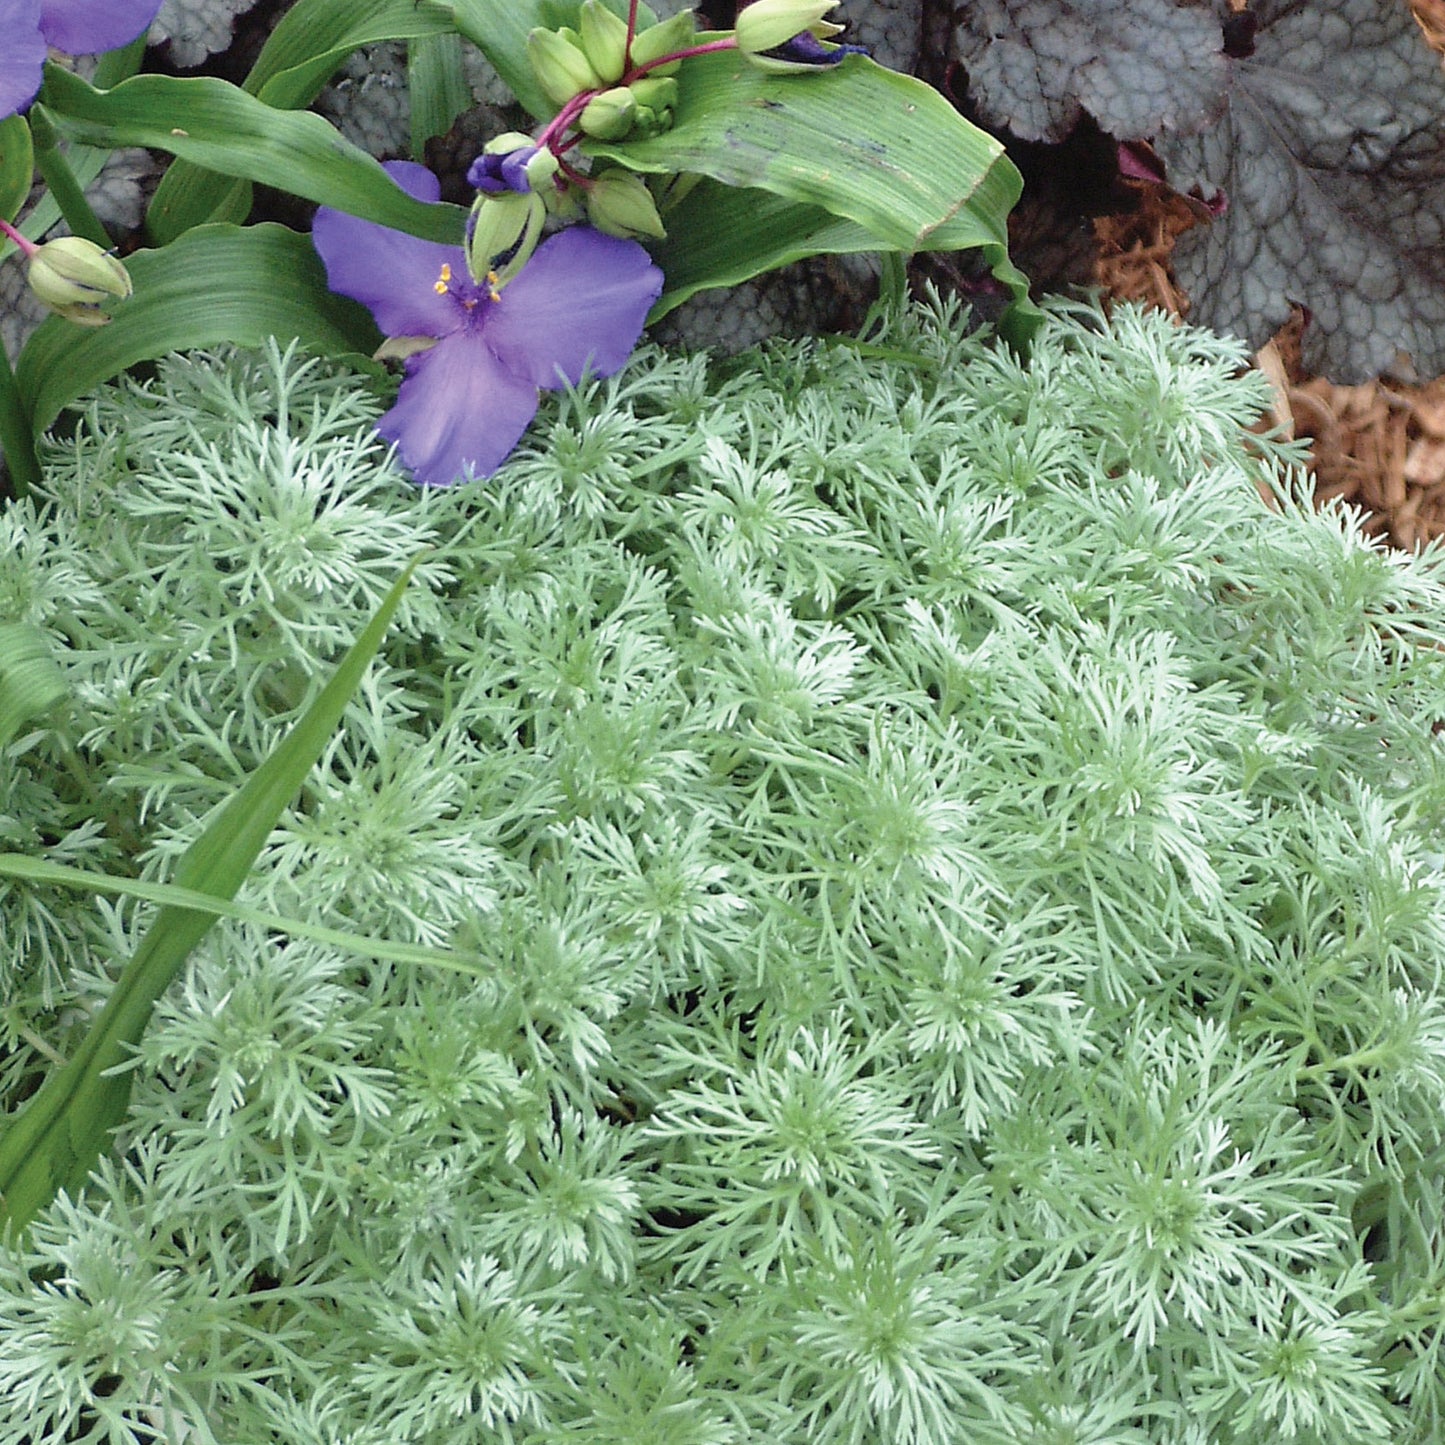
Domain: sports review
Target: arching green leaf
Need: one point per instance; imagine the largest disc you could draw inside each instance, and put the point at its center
(17, 165)
(229, 131)
(31, 680)
(216, 284)
(313, 39)
(869, 145)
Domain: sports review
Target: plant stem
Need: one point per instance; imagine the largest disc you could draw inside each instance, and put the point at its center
(58, 176)
(711, 48)
(560, 122)
(25, 245)
(631, 34)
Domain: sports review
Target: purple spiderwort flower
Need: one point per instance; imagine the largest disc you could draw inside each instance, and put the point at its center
(78, 27)
(578, 305)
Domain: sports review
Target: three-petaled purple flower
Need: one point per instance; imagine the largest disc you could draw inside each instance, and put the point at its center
(578, 305)
(78, 27)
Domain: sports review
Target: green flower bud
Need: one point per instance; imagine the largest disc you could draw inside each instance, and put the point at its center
(656, 92)
(604, 39)
(504, 232)
(676, 33)
(563, 202)
(507, 142)
(656, 97)
(73, 276)
(541, 168)
(610, 114)
(766, 24)
(561, 67)
(619, 203)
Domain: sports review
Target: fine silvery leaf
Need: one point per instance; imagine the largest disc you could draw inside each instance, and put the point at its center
(1136, 66)
(56, 1138)
(1332, 159)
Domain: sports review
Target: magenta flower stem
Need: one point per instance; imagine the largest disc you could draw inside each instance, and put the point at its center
(26, 246)
(573, 175)
(631, 32)
(563, 119)
(728, 43)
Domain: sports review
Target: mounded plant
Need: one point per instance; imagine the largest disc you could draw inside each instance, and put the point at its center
(932, 880)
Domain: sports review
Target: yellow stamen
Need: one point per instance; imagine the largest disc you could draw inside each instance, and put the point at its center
(440, 287)
(494, 286)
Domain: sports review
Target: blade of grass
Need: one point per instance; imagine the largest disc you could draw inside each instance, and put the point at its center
(41, 870)
(53, 1142)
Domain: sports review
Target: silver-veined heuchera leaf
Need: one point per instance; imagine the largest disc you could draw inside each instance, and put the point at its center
(1331, 159)
(1136, 66)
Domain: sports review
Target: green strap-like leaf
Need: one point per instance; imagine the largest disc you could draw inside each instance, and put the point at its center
(438, 87)
(312, 40)
(219, 126)
(869, 145)
(85, 162)
(720, 235)
(56, 1138)
(17, 165)
(499, 29)
(62, 875)
(31, 680)
(216, 284)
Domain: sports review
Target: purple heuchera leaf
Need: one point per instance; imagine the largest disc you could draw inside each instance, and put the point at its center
(78, 27)
(1136, 66)
(1332, 157)
(578, 305)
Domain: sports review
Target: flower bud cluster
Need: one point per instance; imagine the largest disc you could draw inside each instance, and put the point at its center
(596, 56)
(641, 109)
(612, 84)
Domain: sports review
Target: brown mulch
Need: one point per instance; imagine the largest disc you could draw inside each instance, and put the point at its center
(1380, 445)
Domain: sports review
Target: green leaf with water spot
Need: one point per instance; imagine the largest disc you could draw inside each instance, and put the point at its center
(311, 41)
(864, 143)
